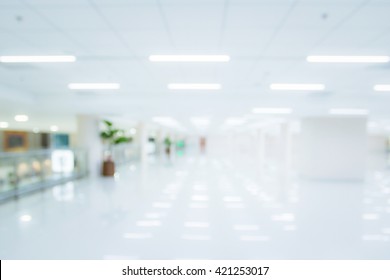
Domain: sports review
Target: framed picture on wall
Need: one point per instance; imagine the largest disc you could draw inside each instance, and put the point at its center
(15, 141)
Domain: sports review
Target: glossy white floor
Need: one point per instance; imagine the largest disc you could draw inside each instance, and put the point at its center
(201, 207)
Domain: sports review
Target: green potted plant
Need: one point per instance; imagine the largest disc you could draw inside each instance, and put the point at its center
(168, 143)
(111, 136)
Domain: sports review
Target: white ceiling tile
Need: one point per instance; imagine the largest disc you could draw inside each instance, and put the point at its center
(349, 41)
(370, 17)
(134, 17)
(57, 3)
(268, 41)
(245, 41)
(196, 40)
(11, 44)
(46, 43)
(21, 20)
(194, 17)
(264, 17)
(99, 43)
(294, 42)
(319, 17)
(145, 42)
(69, 18)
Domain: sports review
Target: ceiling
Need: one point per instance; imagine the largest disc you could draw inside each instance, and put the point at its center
(268, 41)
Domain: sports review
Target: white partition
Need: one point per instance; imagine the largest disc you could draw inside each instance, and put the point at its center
(333, 148)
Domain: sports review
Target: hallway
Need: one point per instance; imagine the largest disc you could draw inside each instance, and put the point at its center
(200, 207)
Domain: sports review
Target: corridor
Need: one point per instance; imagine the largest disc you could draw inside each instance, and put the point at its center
(200, 207)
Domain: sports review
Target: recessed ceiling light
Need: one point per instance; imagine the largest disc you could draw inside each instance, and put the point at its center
(4, 124)
(272, 110)
(348, 111)
(348, 59)
(297, 87)
(189, 58)
(88, 86)
(54, 128)
(21, 118)
(194, 86)
(25, 218)
(382, 87)
(37, 58)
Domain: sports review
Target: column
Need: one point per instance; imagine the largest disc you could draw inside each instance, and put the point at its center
(285, 148)
(143, 141)
(260, 146)
(88, 138)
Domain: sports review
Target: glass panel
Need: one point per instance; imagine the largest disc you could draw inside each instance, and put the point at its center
(24, 172)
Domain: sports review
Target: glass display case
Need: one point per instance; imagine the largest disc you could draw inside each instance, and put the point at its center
(28, 171)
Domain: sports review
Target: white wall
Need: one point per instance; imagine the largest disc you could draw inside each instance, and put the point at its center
(333, 148)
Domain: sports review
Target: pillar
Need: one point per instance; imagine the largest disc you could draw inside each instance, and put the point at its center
(143, 141)
(88, 139)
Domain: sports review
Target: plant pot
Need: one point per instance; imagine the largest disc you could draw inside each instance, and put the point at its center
(108, 169)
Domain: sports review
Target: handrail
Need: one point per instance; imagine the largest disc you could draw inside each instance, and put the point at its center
(21, 173)
(34, 152)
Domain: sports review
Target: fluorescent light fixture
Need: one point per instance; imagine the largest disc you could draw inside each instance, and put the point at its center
(54, 128)
(234, 121)
(189, 58)
(370, 216)
(25, 218)
(348, 59)
(285, 217)
(87, 86)
(297, 87)
(382, 87)
(254, 238)
(272, 110)
(194, 86)
(133, 131)
(37, 58)
(149, 223)
(200, 121)
(21, 118)
(4, 124)
(348, 111)
(200, 198)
